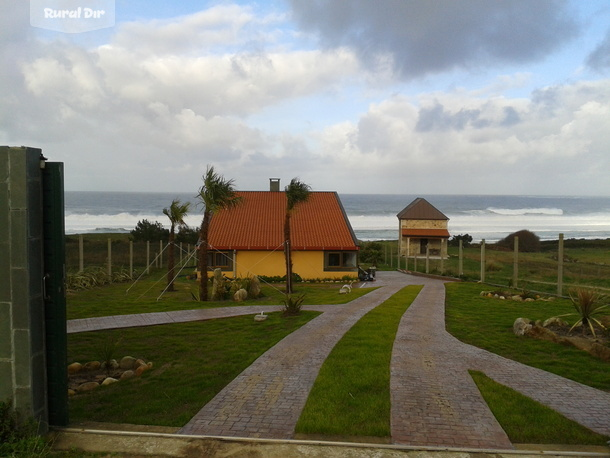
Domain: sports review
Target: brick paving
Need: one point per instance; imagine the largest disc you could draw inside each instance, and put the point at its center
(266, 399)
(434, 400)
(436, 403)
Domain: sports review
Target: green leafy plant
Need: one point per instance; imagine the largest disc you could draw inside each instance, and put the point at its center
(19, 437)
(587, 303)
(293, 304)
(107, 351)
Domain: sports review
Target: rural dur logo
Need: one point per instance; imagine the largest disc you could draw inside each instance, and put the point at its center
(72, 16)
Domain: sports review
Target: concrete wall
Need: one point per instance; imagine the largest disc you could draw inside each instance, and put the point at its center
(22, 340)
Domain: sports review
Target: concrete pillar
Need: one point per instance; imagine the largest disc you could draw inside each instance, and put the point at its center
(22, 338)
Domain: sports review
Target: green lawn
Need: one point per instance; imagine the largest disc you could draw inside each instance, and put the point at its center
(192, 362)
(487, 323)
(527, 421)
(351, 395)
(143, 297)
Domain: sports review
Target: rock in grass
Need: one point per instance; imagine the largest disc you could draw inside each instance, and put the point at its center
(75, 368)
(109, 381)
(521, 326)
(87, 386)
(92, 366)
(240, 295)
(127, 374)
(127, 362)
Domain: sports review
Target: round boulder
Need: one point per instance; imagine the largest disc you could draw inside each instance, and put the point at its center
(127, 362)
(87, 386)
(75, 368)
(521, 326)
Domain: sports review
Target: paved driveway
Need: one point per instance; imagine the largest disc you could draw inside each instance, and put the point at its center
(434, 400)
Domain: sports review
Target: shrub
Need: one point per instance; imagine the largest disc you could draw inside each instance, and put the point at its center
(145, 231)
(293, 304)
(371, 253)
(187, 235)
(18, 437)
(465, 238)
(528, 241)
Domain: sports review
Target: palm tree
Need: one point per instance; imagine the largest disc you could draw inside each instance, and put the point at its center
(215, 194)
(176, 213)
(296, 192)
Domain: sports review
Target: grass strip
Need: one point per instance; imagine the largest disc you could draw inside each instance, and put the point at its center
(488, 323)
(112, 299)
(192, 363)
(351, 395)
(527, 421)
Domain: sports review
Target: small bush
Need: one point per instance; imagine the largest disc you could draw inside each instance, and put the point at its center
(18, 437)
(465, 238)
(293, 304)
(528, 241)
(145, 231)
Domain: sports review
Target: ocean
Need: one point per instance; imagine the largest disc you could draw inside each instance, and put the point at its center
(372, 216)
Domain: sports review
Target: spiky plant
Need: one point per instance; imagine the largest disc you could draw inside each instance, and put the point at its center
(588, 305)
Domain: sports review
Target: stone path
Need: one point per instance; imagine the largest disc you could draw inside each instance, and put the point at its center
(266, 399)
(434, 400)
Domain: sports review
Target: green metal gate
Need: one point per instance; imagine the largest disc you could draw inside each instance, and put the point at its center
(54, 292)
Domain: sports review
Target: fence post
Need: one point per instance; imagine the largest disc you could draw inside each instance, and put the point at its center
(131, 259)
(147, 257)
(516, 262)
(443, 243)
(560, 266)
(460, 259)
(408, 251)
(81, 254)
(483, 261)
(110, 258)
(427, 259)
(160, 253)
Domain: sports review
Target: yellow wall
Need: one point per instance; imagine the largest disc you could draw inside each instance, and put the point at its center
(308, 264)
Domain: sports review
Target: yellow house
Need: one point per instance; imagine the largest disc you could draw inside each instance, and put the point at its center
(249, 239)
(422, 230)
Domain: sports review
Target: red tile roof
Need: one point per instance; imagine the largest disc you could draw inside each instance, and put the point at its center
(425, 233)
(258, 223)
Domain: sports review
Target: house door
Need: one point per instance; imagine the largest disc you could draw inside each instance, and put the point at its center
(423, 245)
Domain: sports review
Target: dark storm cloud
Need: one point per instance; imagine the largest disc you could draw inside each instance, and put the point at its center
(599, 59)
(424, 37)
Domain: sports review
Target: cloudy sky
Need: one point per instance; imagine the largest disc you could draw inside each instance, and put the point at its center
(357, 96)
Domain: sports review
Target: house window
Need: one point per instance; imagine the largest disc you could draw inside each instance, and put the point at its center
(340, 260)
(220, 260)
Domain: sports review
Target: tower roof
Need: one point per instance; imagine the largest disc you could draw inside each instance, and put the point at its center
(420, 208)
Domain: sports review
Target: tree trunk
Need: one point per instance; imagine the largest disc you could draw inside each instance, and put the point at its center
(288, 253)
(203, 257)
(170, 260)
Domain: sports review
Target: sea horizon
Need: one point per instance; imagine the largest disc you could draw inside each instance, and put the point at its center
(372, 216)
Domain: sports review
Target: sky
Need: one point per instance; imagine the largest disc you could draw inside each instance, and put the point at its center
(355, 96)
